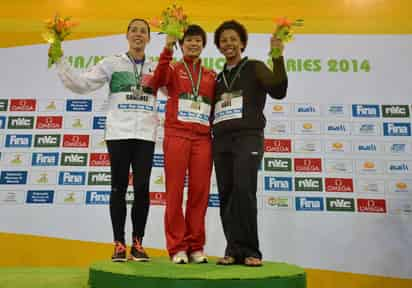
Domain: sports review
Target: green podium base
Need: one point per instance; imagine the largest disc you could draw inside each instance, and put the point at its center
(160, 272)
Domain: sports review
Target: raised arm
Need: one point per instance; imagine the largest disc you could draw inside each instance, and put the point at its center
(274, 82)
(164, 68)
(83, 82)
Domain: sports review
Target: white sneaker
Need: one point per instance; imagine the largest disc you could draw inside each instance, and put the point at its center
(180, 258)
(198, 257)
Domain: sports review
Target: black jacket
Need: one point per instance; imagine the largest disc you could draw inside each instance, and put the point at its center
(254, 80)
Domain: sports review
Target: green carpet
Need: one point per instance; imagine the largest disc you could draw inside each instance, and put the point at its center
(43, 277)
(161, 273)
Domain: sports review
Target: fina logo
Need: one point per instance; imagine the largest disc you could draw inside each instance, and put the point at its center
(278, 184)
(72, 178)
(396, 129)
(309, 204)
(45, 159)
(365, 111)
(97, 197)
(18, 141)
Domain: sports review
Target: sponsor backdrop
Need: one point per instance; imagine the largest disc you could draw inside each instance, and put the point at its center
(335, 188)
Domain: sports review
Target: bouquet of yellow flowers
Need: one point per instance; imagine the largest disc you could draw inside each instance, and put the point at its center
(173, 21)
(57, 30)
(283, 31)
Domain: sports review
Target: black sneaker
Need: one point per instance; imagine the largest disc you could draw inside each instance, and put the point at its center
(119, 254)
(137, 252)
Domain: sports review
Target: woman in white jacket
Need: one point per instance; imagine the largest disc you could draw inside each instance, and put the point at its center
(130, 133)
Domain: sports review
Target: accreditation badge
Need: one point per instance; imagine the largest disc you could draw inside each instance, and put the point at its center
(229, 106)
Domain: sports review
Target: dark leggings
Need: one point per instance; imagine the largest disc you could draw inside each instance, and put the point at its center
(139, 154)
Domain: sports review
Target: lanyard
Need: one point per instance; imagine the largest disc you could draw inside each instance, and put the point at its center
(195, 89)
(137, 75)
(230, 85)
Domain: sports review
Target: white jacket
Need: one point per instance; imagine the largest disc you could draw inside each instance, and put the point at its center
(127, 117)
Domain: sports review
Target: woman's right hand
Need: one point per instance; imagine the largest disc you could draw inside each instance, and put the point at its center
(170, 41)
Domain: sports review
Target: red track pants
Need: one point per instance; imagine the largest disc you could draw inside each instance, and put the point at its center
(192, 154)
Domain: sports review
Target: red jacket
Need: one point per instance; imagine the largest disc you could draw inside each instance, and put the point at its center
(186, 116)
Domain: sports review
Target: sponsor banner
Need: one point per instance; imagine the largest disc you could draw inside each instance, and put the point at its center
(307, 146)
(278, 128)
(20, 122)
(400, 167)
(4, 105)
(336, 110)
(43, 177)
(77, 122)
(50, 106)
(99, 122)
(395, 111)
(45, 159)
(338, 146)
(398, 147)
(370, 205)
(308, 184)
(69, 197)
(47, 141)
(400, 207)
(83, 105)
(75, 141)
(369, 166)
(340, 204)
(277, 184)
(339, 166)
(158, 160)
(13, 177)
(343, 185)
(214, 200)
(397, 129)
(49, 122)
(99, 159)
(309, 204)
(97, 197)
(308, 165)
(99, 178)
(308, 127)
(157, 180)
(72, 178)
(307, 110)
(277, 202)
(15, 159)
(278, 145)
(366, 129)
(335, 128)
(157, 198)
(367, 147)
(12, 197)
(371, 186)
(40, 197)
(73, 159)
(274, 110)
(98, 142)
(22, 105)
(272, 164)
(365, 111)
(18, 140)
(400, 187)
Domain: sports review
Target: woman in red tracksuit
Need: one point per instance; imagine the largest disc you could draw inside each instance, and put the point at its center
(187, 144)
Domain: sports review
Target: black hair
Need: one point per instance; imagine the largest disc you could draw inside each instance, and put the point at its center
(232, 25)
(194, 30)
(141, 20)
